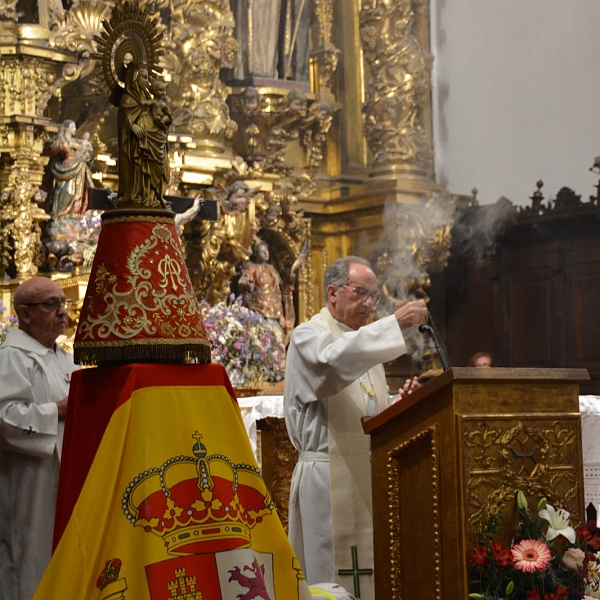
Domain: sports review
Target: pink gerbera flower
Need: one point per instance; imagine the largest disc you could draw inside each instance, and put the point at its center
(531, 555)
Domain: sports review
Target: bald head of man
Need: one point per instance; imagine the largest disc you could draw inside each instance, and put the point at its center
(40, 305)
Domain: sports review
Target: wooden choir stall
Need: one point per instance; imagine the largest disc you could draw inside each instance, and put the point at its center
(454, 453)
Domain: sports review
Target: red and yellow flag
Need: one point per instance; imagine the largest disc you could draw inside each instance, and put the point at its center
(173, 505)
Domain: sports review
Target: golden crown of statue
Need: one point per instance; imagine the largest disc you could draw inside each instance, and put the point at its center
(129, 36)
(200, 504)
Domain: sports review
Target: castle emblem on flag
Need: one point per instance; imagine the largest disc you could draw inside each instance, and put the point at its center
(198, 504)
(183, 587)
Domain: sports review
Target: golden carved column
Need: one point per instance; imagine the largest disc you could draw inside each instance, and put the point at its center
(417, 213)
(29, 74)
(325, 57)
(20, 218)
(398, 106)
(199, 43)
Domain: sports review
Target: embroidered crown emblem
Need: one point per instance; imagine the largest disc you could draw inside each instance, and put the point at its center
(198, 504)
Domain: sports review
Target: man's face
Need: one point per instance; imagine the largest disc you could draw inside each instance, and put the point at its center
(343, 302)
(40, 322)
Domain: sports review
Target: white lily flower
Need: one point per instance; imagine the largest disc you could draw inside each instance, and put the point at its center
(559, 523)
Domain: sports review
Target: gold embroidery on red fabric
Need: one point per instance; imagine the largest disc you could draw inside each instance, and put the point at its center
(157, 301)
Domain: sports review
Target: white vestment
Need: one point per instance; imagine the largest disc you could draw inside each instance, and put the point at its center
(33, 378)
(330, 498)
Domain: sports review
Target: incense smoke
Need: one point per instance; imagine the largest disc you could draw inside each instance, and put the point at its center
(418, 238)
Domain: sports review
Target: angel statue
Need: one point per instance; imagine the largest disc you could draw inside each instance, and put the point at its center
(128, 51)
(70, 161)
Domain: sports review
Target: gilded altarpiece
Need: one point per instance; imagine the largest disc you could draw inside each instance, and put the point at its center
(292, 133)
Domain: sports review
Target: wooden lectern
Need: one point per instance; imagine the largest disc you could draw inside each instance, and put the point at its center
(454, 453)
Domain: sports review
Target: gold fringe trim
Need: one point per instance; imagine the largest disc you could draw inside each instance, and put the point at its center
(196, 341)
(95, 354)
(146, 219)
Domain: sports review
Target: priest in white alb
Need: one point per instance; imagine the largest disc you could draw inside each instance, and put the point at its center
(35, 375)
(333, 377)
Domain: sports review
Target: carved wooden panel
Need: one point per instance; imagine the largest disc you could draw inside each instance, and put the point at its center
(469, 310)
(529, 304)
(279, 458)
(583, 292)
(538, 455)
(413, 473)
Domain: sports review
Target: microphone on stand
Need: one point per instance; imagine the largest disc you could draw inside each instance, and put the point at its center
(438, 348)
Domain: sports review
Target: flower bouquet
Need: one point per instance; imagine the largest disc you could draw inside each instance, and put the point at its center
(80, 234)
(243, 343)
(547, 560)
(6, 323)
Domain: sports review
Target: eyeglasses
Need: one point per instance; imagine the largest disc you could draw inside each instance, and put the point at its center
(363, 293)
(52, 305)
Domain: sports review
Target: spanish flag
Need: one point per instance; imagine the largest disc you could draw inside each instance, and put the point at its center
(160, 496)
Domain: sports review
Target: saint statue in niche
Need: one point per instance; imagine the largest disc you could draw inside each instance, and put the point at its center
(261, 286)
(70, 164)
(274, 39)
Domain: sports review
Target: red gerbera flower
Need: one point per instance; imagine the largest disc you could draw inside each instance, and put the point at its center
(478, 557)
(501, 554)
(531, 556)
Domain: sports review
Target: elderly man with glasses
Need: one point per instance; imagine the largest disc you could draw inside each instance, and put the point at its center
(35, 375)
(333, 377)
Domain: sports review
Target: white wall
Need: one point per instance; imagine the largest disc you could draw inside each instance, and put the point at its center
(516, 96)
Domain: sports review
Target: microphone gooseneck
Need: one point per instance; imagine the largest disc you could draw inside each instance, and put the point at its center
(423, 328)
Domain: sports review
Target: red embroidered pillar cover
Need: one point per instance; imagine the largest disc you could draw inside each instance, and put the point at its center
(140, 305)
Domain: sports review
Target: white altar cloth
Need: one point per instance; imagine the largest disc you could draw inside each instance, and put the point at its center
(259, 407)
(589, 407)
